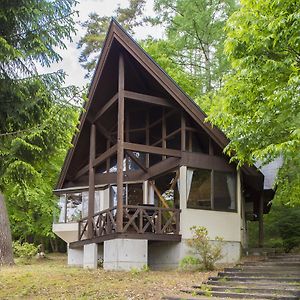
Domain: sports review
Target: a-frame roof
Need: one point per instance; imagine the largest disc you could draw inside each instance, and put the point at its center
(117, 40)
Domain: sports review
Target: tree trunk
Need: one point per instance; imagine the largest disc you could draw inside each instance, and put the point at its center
(6, 252)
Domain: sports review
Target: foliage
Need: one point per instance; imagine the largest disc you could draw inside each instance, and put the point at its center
(37, 114)
(195, 29)
(25, 250)
(259, 107)
(96, 28)
(190, 263)
(281, 228)
(207, 252)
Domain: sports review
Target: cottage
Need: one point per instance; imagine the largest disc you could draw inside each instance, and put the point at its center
(145, 167)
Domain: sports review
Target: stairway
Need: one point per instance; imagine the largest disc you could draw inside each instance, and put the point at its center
(276, 277)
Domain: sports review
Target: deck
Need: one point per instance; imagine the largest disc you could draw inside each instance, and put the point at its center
(139, 222)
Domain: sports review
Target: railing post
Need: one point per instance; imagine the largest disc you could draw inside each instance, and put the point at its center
(158, 223)
(141, 220)
(79, 229)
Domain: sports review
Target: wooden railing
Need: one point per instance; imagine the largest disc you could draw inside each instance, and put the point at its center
(136, 219)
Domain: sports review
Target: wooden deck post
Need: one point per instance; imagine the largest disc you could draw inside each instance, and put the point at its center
(261, 223)
(91, 202)
(120, 145)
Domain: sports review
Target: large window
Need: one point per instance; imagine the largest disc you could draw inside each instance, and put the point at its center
(132, 194)
(210, 189)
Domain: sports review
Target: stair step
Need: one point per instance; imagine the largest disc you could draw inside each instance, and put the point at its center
(240, 288)
(259, 274)
(266, 279)
(272, 263)
(283, 285)
(240, 295)
(264, 268)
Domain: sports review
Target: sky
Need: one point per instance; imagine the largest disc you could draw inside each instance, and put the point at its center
(69, 64)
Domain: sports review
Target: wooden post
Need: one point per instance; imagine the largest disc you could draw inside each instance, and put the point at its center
(164, 132)
(183, 138)
(147, 139)
(91, 181)
(261, 223)
(120, 145)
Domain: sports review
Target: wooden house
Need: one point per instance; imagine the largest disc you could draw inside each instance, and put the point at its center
(145, 167)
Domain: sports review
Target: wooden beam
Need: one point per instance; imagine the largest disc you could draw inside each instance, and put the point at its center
(102, 157)
(136, 160)
(183, 133)
(108, 153)
(147, 98)
(205, 161)
(151, 149)
(164, 132)
(147, 138)
(91, 200)
(163, 166)
(120, 144)
(167, 136)
(106, 106)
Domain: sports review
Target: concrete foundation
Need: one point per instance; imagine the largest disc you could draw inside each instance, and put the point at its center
(75, 257)
(90, 256)
(125, 254)
(167, 255)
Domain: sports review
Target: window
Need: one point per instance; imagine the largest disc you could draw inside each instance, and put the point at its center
(199, 188)
(132, 194)
(210, 189)
(224, 191)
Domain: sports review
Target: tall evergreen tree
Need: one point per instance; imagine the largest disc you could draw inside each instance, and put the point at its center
(32, 127)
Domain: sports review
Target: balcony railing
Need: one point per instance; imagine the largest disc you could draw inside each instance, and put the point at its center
(136, 219)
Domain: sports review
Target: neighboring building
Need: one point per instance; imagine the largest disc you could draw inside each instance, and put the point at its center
(145, 167)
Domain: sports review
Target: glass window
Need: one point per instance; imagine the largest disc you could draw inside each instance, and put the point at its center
(199, 188)
(202, 194)
(224, 191)
(135, 194)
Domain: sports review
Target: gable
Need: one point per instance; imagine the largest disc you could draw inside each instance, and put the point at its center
(143, 76)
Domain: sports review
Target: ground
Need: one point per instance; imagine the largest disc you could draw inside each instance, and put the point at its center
(51, 278)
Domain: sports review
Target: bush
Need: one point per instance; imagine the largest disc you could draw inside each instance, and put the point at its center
(25, 251)
(206, 252)
(190, 263)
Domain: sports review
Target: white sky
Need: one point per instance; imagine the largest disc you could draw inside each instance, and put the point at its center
(70, 56)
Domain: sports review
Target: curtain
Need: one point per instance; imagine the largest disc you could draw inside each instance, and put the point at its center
(189, 179)
(230, 178)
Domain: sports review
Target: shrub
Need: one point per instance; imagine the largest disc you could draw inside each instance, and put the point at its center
(25, 251)
(208, 253)
(190, 263)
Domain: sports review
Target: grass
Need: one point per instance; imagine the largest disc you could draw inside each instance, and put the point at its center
(52, 279)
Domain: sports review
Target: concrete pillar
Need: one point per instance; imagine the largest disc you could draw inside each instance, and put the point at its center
(125, 254)
(90, 256)
(75, 257)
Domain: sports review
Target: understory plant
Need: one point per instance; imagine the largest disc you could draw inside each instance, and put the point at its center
(24, 251)
(204, 252)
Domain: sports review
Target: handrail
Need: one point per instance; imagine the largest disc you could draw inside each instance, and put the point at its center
(136, 219)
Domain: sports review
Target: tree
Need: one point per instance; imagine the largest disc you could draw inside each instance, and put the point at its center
(96, 28)
(259, 106)
(195, 31)
(30, 33)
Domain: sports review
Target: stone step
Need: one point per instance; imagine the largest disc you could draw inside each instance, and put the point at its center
(266, 279)
(263, 268)
(239, 295)
(259, 274)
(271, 263)
(283, 285)
(240, 288)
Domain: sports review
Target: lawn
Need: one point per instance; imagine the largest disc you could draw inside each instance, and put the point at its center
(51, 278)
